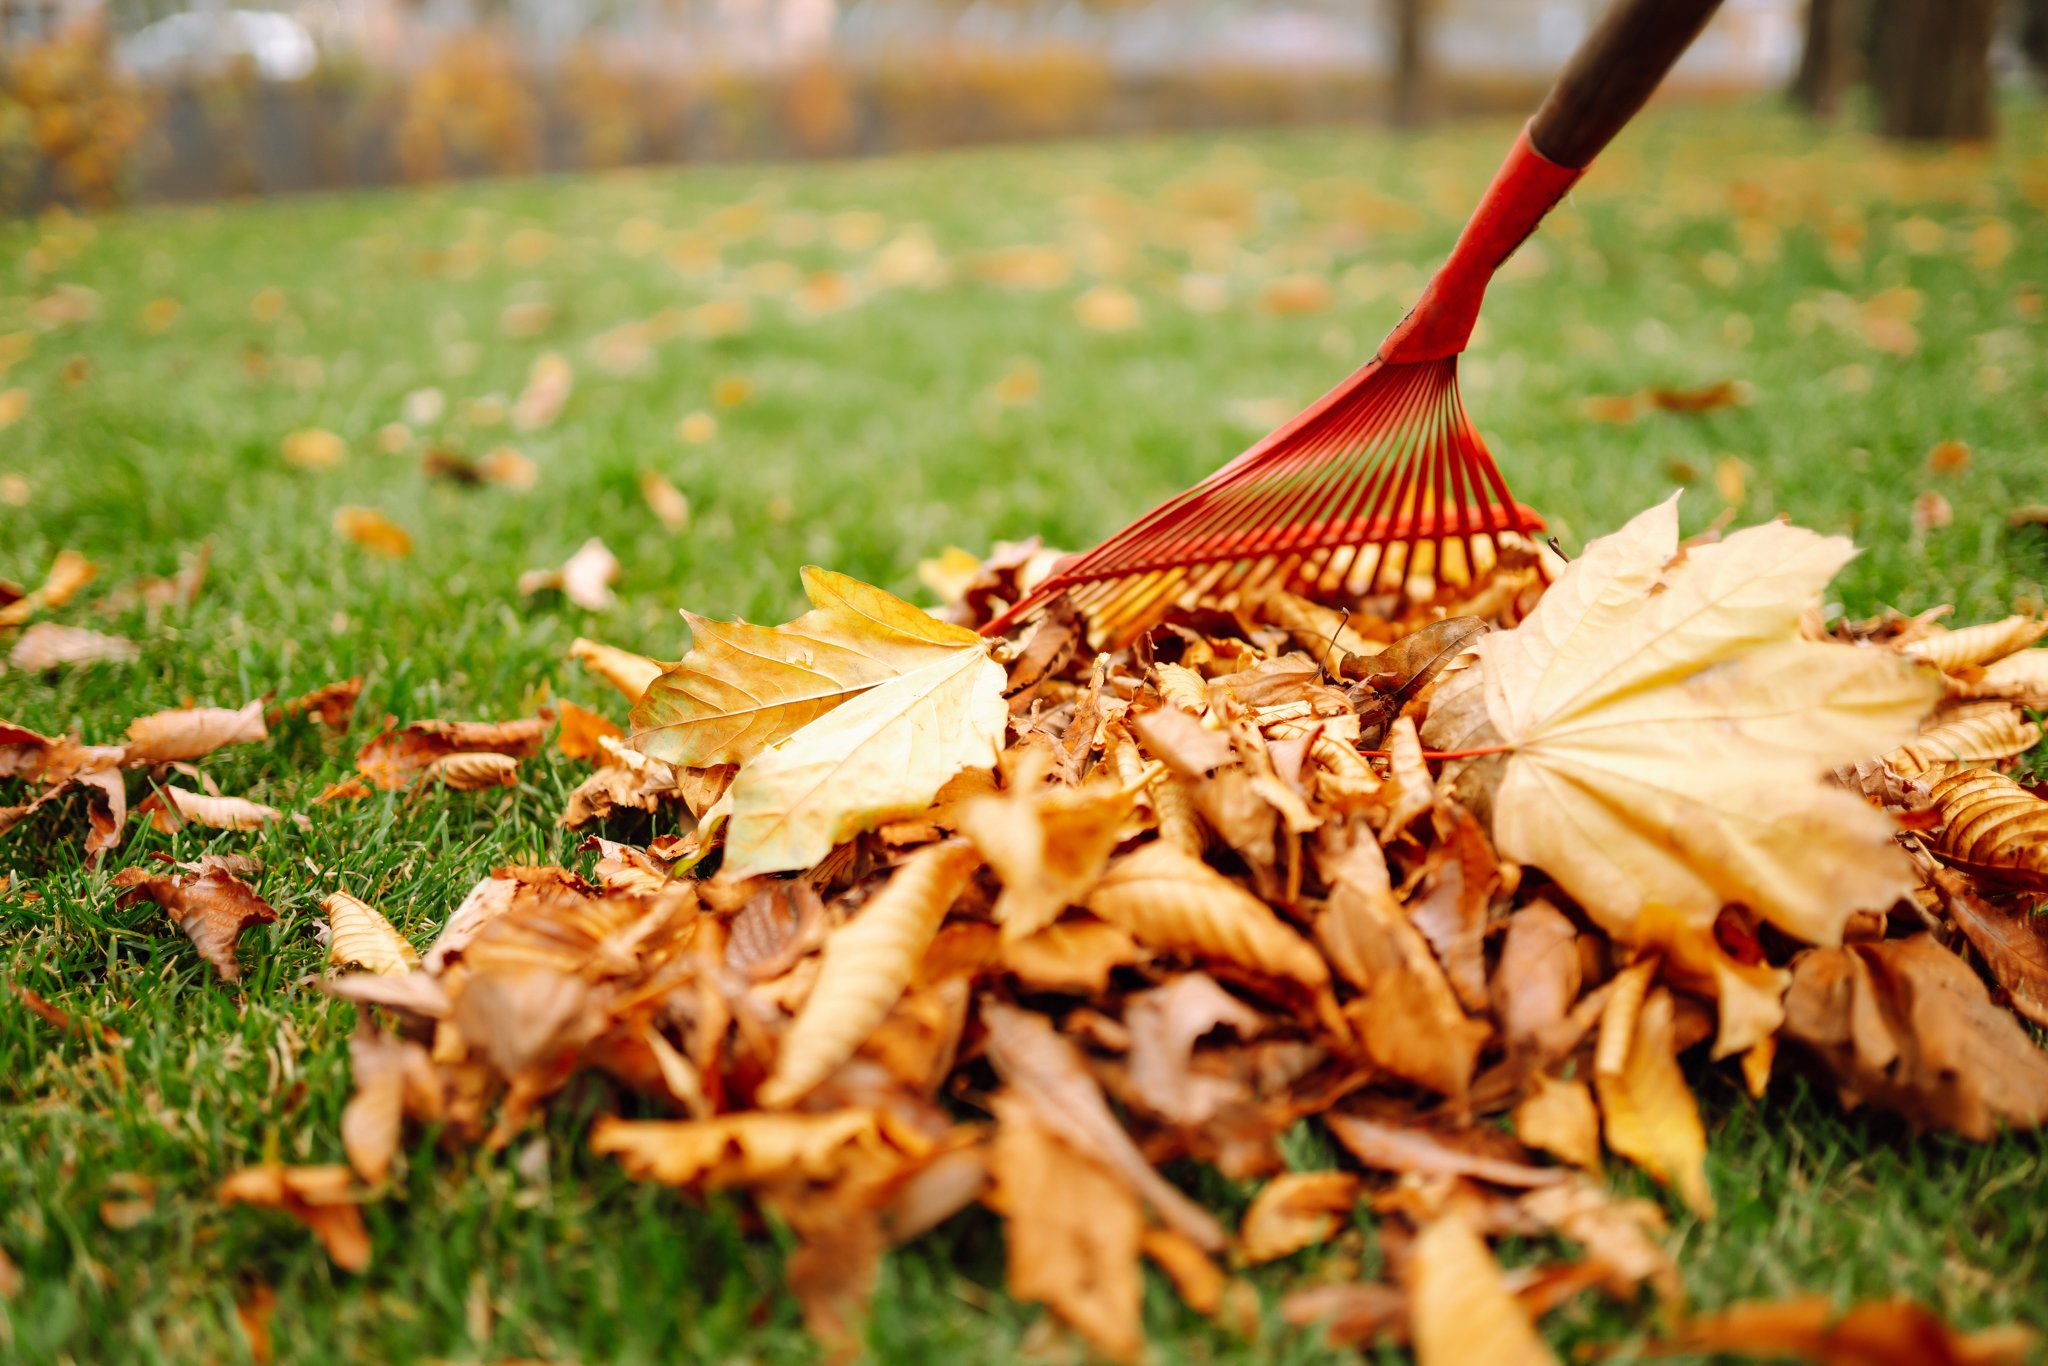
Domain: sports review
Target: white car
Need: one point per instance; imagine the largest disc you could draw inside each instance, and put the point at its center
(206, 43)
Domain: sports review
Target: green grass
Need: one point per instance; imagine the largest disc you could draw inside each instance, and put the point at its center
(869, 441)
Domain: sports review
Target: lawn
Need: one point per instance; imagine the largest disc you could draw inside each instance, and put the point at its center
(898, 384)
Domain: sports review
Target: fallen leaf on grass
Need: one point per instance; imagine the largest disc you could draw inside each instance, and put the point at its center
(192, 733)
(45, 646)
(742, 689)
(1648, 1111)
(1972, 732)
(373, 531)
(1072, 1232)
(546, 392)
(1296, 1210)
(1459, 1308)
(1560, 1118)
(208, 900)
(582, 730)
(629, 673)
(1958, 652)
(1668, 730)
(314, 448)
(392, 1077)
(324, 1199)
(472, 772)
(886, 753)
(867, 963)
(173, 808)
(1905, 1024)
(666, 501)
(1872, 1333)
(585, 578)
(1388, 1148)
(358, 933)
(69, 572)
(397, 757)
(751, 1148)
(333, 705)
(2013, 943)
(1166, 1023)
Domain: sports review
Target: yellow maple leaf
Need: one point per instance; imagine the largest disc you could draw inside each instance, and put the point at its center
(1667, 731)
(743, 688)
(882, 755)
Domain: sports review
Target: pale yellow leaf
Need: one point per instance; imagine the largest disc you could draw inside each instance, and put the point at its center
(1650, 1115)
(1459, 1310)
(868, 962)
(743, 688)
(1954, 652)
(172, 808)
(1560, 1118)
(1168, 899)
(883, 755)
(745, 1149)
(358, 933)
(1669, 730)
(1048, 844)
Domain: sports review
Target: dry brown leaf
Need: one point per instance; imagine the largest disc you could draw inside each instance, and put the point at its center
(749, 1149)
(322, 1198)
(472, 772)
(1170, 900)
(1459, 1308)
(1074, 955)
(1296, 1210)
(173, 808)
(1623, 1236)
(1073, 1233)
(358, 933)
(629, 673)
(69, 572)
(1409, 1019)
(45, 645)
(1165, 1024)
(1649, 1113)
(1872, 1333)
(1974, 732)
(742, 689)
(208, 901)
(1537, 979)
(1047, 844)
(585, 578)
(1048, 1073)
(169, 736)
(1905, 1024)
(396, 757)
(582, 731)
(1196, 1277)
(332, 704)
(1973, 647)
(1992, 827)
(867, 964)
(373, 531)
(393, 1077)
(2012, 943)
(1560, 1118)
(1669, 731)
(1387, 1148)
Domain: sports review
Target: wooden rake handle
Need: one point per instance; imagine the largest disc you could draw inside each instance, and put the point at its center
(1613, 74)
(1607, 80)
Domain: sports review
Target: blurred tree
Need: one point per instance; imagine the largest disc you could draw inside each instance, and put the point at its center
(1410, 20)
(1931, 68)
(2034, 36)
(1831, 60)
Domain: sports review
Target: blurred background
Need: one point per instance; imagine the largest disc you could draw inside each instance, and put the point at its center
(110, 101)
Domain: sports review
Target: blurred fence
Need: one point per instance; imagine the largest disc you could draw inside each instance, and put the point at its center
(157, 99)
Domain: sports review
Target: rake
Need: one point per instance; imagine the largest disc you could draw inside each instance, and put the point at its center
(1383, 485)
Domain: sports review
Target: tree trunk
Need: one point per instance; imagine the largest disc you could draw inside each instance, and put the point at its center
(1411, 62)
(2034, 37)
(1933, 68)
(1830, 61)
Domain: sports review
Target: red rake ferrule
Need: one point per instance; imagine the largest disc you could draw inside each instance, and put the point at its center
(1527, 186)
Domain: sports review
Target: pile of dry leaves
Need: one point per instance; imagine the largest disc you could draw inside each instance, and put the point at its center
(946, 921)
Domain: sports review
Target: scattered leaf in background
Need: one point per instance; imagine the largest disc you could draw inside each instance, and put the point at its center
(585, 578)
(314, 448)
(373, 531)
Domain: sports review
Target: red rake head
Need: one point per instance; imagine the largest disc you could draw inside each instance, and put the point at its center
(1382, 485)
